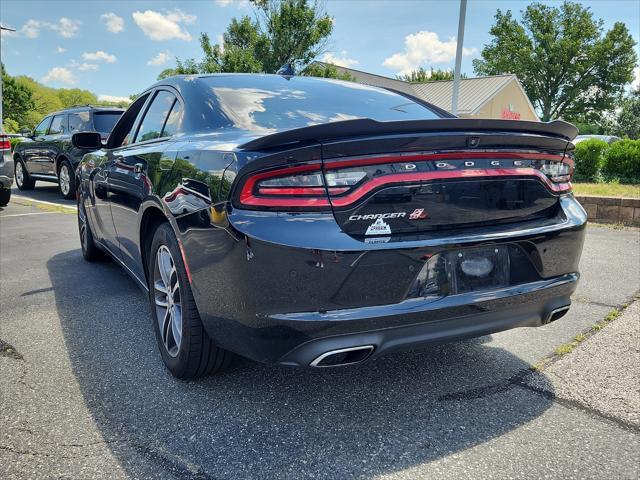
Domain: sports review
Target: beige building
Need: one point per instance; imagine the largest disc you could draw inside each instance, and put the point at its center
(500, 96)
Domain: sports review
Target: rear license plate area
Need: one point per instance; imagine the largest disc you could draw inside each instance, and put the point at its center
(462, 271)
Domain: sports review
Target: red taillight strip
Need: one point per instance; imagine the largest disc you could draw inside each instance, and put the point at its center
(421, 176)
(300, 190)
(440, 156)
(246, 194)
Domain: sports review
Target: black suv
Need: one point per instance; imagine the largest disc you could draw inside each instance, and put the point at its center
(48, 155)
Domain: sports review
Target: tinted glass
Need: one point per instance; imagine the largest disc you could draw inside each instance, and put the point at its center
(79, 122)
(123, 132)
(154, 119)
(104, 122)
(57, 126)
(265, 104)
(173, 122)
(41, 129)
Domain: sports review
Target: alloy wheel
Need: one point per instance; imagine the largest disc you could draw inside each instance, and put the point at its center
(65, 180)
(167, 300)
(19, 174)
(82, 221)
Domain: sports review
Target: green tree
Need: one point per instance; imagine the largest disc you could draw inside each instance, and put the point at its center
(567, 66)
(75, 96)
(284, 31)
(17, 101)
(326, 71)
(422, 75)
(627, 121)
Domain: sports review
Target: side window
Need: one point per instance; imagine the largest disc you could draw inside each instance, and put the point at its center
(57, 125)
(79, 122)
(173, 121)
(41, 129)
(153, 122)
(122, 133)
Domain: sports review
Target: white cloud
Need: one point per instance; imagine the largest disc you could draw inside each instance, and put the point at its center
(224, 3)
(158, 26)
(422, 48)
(160, 59)
(83, 67)
(220, 40)
(341, 61)
(66, 27)
(635, 84)
(112, 98)
(113, 22)
(61, 50)
(31, 29)
(99, 56)
(60, 75)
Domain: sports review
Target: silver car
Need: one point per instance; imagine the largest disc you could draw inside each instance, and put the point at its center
(6, 169)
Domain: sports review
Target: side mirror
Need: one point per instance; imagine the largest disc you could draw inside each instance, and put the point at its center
(25, 132)
(87, 140)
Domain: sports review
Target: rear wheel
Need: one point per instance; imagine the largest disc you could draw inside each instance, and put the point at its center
(66, 180)
(90, 250)
(23, 179)
(5, 196)
(186, 348)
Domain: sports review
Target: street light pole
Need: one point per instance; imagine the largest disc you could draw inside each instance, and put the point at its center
(1, 115)
(456, 73)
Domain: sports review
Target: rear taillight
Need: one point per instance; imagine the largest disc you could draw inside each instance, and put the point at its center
(299, 187)
(342, 183)
(5, 144)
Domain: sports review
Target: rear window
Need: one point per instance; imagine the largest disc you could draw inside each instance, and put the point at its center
(104, 122)
(266, 104)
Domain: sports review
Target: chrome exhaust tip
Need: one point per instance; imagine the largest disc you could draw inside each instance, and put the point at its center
(343, 356)
(557, 313)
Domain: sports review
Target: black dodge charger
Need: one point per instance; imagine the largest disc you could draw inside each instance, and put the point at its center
(315, 222)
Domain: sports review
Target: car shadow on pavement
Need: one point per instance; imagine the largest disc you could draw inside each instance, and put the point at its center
(257, 421)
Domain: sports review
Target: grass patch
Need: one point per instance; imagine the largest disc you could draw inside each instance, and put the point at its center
(44, 206)
(607, 190)
(568, 347)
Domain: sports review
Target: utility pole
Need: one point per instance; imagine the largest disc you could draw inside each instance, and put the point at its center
(456, 73)
(1, 115)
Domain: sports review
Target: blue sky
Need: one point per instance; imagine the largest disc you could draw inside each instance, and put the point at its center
(116, 48)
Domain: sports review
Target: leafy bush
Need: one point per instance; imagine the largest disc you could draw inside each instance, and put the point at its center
(14, 141)
(589, 157)
(622, 161)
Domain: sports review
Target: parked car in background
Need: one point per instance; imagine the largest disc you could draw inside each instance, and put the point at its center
(605, 138)
(48, 155)
(6, 168)
(314, 222)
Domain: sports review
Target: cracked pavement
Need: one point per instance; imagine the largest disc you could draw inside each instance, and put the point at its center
(84, 393)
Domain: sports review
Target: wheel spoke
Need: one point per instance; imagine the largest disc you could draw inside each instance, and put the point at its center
(166, 328)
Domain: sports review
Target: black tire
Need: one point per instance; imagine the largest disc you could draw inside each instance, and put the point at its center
(5, 196)
(66, 180)
(27, 183)
(90, 250)
(196, 355)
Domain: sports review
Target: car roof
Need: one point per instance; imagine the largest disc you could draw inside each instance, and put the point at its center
(84, 108)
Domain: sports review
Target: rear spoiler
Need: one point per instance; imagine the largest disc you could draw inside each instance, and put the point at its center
(366, 126)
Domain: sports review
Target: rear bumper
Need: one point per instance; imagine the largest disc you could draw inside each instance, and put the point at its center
(6, 171)
(465, 316)
(285, 288)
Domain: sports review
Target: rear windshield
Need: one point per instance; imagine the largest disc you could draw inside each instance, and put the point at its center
(266, 104)
(104, 122)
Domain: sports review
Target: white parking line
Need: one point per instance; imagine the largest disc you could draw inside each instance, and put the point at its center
(29, 199)
(25, 214)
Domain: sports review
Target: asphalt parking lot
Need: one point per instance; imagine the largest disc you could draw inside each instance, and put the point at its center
(83, 392)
